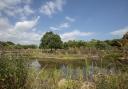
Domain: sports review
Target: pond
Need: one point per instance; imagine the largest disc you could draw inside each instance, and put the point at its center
(71, 69)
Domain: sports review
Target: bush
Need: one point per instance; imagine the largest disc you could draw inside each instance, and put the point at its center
(13, 72)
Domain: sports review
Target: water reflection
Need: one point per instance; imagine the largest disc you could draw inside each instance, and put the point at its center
(70, 72)
(35, 64)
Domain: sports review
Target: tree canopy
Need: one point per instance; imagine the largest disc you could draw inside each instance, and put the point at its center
(11, 45)
(51, 40)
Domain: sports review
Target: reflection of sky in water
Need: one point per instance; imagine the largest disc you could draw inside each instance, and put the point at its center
(74, 73)
(35, 64)
(64, 71)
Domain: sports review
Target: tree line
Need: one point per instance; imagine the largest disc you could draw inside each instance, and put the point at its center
(11, 45)
(52, 41)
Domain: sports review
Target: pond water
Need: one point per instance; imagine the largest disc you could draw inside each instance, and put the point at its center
(35, 64)
(73, 70)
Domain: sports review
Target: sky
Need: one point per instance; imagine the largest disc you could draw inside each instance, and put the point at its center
(26, 21)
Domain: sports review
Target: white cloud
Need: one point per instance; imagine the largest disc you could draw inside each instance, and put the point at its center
(74, 34)
(60, 27)
(16, 7)
(4, 4)
(64, 25)
(120, 32)
(26, 25)
(4, 23)
(21, 32)
(51, 7)
(70, 19)
(54, 28)
(27, 10)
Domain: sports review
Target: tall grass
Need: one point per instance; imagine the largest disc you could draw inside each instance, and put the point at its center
(13, 71)
(15, 74)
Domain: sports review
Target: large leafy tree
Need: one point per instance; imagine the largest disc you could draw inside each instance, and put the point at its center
(51, 40)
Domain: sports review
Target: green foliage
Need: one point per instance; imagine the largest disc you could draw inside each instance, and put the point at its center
(13, 72)
(116, 43)
(19, 46)
(102, 45)
(74, 44)
(51, 40)
(11, 45)
(112, 82)
(7, 44)
(98, 44)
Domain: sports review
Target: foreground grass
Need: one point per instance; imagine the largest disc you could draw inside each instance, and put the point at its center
(54, 79)
(15, 72)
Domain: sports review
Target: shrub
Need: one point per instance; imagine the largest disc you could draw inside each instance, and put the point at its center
(13, 72)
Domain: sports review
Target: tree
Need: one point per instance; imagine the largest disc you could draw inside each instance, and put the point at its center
(125, 36)
(65, 45)
(102, 45)
(10, 43)
(92, 43)
(74, 43)
(124, 40)
(51, 40)
(114, 42)
(7, 44)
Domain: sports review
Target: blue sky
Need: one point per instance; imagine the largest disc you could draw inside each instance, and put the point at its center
(26, 21)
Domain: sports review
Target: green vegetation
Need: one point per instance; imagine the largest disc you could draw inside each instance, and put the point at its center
(102, 45)
(13, 71)
(72, 65)
(11, 45)
(51, 41)
(14, 74)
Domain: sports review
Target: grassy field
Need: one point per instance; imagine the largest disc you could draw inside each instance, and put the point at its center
(63, 69)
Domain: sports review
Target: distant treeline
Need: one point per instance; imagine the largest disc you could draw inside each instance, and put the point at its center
(11, 45)
(53, 41)
(123, 42)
